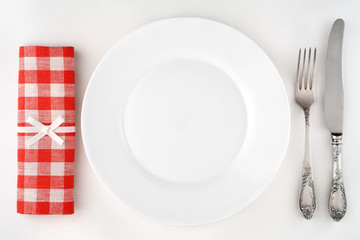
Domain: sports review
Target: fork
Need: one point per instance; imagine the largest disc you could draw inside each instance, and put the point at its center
(305, 97)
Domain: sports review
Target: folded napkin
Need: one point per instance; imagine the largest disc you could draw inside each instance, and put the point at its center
(46, 130)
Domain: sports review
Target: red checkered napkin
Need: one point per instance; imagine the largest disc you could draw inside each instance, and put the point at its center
(46, 130)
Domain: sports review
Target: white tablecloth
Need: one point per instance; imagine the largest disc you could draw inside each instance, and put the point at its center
(280, 27)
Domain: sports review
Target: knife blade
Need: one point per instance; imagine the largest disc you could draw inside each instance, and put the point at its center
(334, 92)
(334, 110)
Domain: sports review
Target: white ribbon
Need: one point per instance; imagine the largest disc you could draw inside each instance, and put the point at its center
(43, 130)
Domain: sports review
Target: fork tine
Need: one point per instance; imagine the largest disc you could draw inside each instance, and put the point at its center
(298, 71)
(313, 74)
(302, 86)
(308, 71)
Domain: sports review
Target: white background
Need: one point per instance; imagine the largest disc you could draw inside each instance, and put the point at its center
(280, 27)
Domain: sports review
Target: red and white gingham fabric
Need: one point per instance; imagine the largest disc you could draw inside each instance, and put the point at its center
(46, 168)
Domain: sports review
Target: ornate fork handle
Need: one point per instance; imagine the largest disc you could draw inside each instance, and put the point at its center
(307, 200)
(337, 200)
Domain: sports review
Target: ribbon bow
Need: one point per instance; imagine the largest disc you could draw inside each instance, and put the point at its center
(43, 130)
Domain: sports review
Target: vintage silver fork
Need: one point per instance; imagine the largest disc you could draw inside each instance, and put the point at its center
(305, 97)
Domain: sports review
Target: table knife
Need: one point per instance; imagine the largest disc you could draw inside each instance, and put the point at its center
(334, 109)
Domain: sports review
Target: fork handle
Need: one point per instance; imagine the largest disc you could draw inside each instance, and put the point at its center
(307, 200)
(337, 200)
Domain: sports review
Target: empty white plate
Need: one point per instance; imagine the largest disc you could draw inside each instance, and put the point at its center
(185, 120)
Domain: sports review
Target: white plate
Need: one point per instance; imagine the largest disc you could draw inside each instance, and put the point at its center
(185, 120)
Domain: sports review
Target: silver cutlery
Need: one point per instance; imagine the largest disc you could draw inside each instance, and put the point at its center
(305, 97)
(334, 108)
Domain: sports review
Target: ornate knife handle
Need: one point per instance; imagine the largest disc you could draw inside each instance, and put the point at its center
(337, 200)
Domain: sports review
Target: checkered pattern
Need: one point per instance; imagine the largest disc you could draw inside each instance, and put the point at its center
(46, 169)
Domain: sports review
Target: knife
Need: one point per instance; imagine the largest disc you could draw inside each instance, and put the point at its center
(334, 109)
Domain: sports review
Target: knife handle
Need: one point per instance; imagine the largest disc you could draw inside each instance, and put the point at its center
(337, 200)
